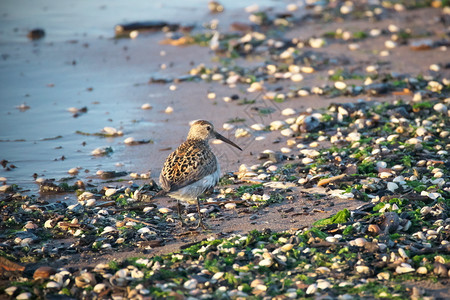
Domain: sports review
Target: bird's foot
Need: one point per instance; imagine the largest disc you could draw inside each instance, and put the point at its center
(201, 224)
(182, 224)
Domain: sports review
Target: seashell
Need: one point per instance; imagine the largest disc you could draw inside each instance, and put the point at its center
(374, 229)
(390, 44)
(297, 77)
(312, 289)
(441, 108)
(383, 276)
(144, 230)
(11, 290)
(359, 242)
(340, 85)
(258, 127)
(404, 268)
(276, 125)
(287, 247)
(422, 270)
(391, 186)
(85, 280)
(24, 296)
(323, 270)
(85, 196)
(230, 205)
(287, 132)
(99, 287)
(267, 262)
(129, 141)
(323, 284)
(110, 192)
(52, 285)
(288, 112)
(316, 42)
(146, 106)
(165, 210)
(384, 175)
(190, 284)
(122, 273)
(108, 229)
(73, 171)
(168, 110)
(362, 269)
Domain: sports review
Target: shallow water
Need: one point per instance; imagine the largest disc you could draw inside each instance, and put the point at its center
(78, 64)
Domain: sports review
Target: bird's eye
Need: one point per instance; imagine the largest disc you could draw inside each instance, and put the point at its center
(208, 128)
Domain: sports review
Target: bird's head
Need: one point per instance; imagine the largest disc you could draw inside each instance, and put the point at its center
(204, 130)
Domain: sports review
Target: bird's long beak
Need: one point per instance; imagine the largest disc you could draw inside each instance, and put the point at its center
(222, 138)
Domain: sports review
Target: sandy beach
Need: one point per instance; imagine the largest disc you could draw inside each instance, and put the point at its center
(81, 103)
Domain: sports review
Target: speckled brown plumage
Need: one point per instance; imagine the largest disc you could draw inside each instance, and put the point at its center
(190, 162)
(192, 168)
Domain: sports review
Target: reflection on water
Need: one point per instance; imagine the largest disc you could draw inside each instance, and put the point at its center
(77, 64)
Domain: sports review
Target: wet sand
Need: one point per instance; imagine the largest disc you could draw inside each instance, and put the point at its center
(110, 77)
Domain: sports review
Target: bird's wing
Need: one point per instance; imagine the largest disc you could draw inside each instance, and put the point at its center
(188, 164)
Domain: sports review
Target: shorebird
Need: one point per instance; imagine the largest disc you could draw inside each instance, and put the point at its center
(192, 168)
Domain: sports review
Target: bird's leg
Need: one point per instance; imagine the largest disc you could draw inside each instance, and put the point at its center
(200, 221)
(179, 214)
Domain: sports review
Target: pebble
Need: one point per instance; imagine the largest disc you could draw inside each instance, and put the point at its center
(230, 205)
(404, 268)
(146, 106)
(362, 269)
(165, 210)
(288, 112)
(168, 110)
(44, 272)
(24, 296)
(129, 141)
(340, 85)
(190, 284)
(110, 192)
(441, 108)
(312, 289)
(11, 290)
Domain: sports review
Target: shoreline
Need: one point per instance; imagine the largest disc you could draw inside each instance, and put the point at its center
(307, 144)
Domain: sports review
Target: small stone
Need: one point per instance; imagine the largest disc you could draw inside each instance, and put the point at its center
(190, 284)
(44, 272)
(383, 276)
(110, 192)
(24, 296)
(52, 285)
(288, 112)
(392, 186)
(422, 270)
(129, 141)
(230, 205)
(404, 268)
(266, 262)
(360, 242)
(99, 287)
(165, 210)
(297, 77)
(287, 247)
(374, 229)
(11, 290)
(73, 171)
(5, 188)
(169, 110)
(323, 284)
(340, 85)
(146, 106)
(441, 108)
(312, 289)
(362, 269)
